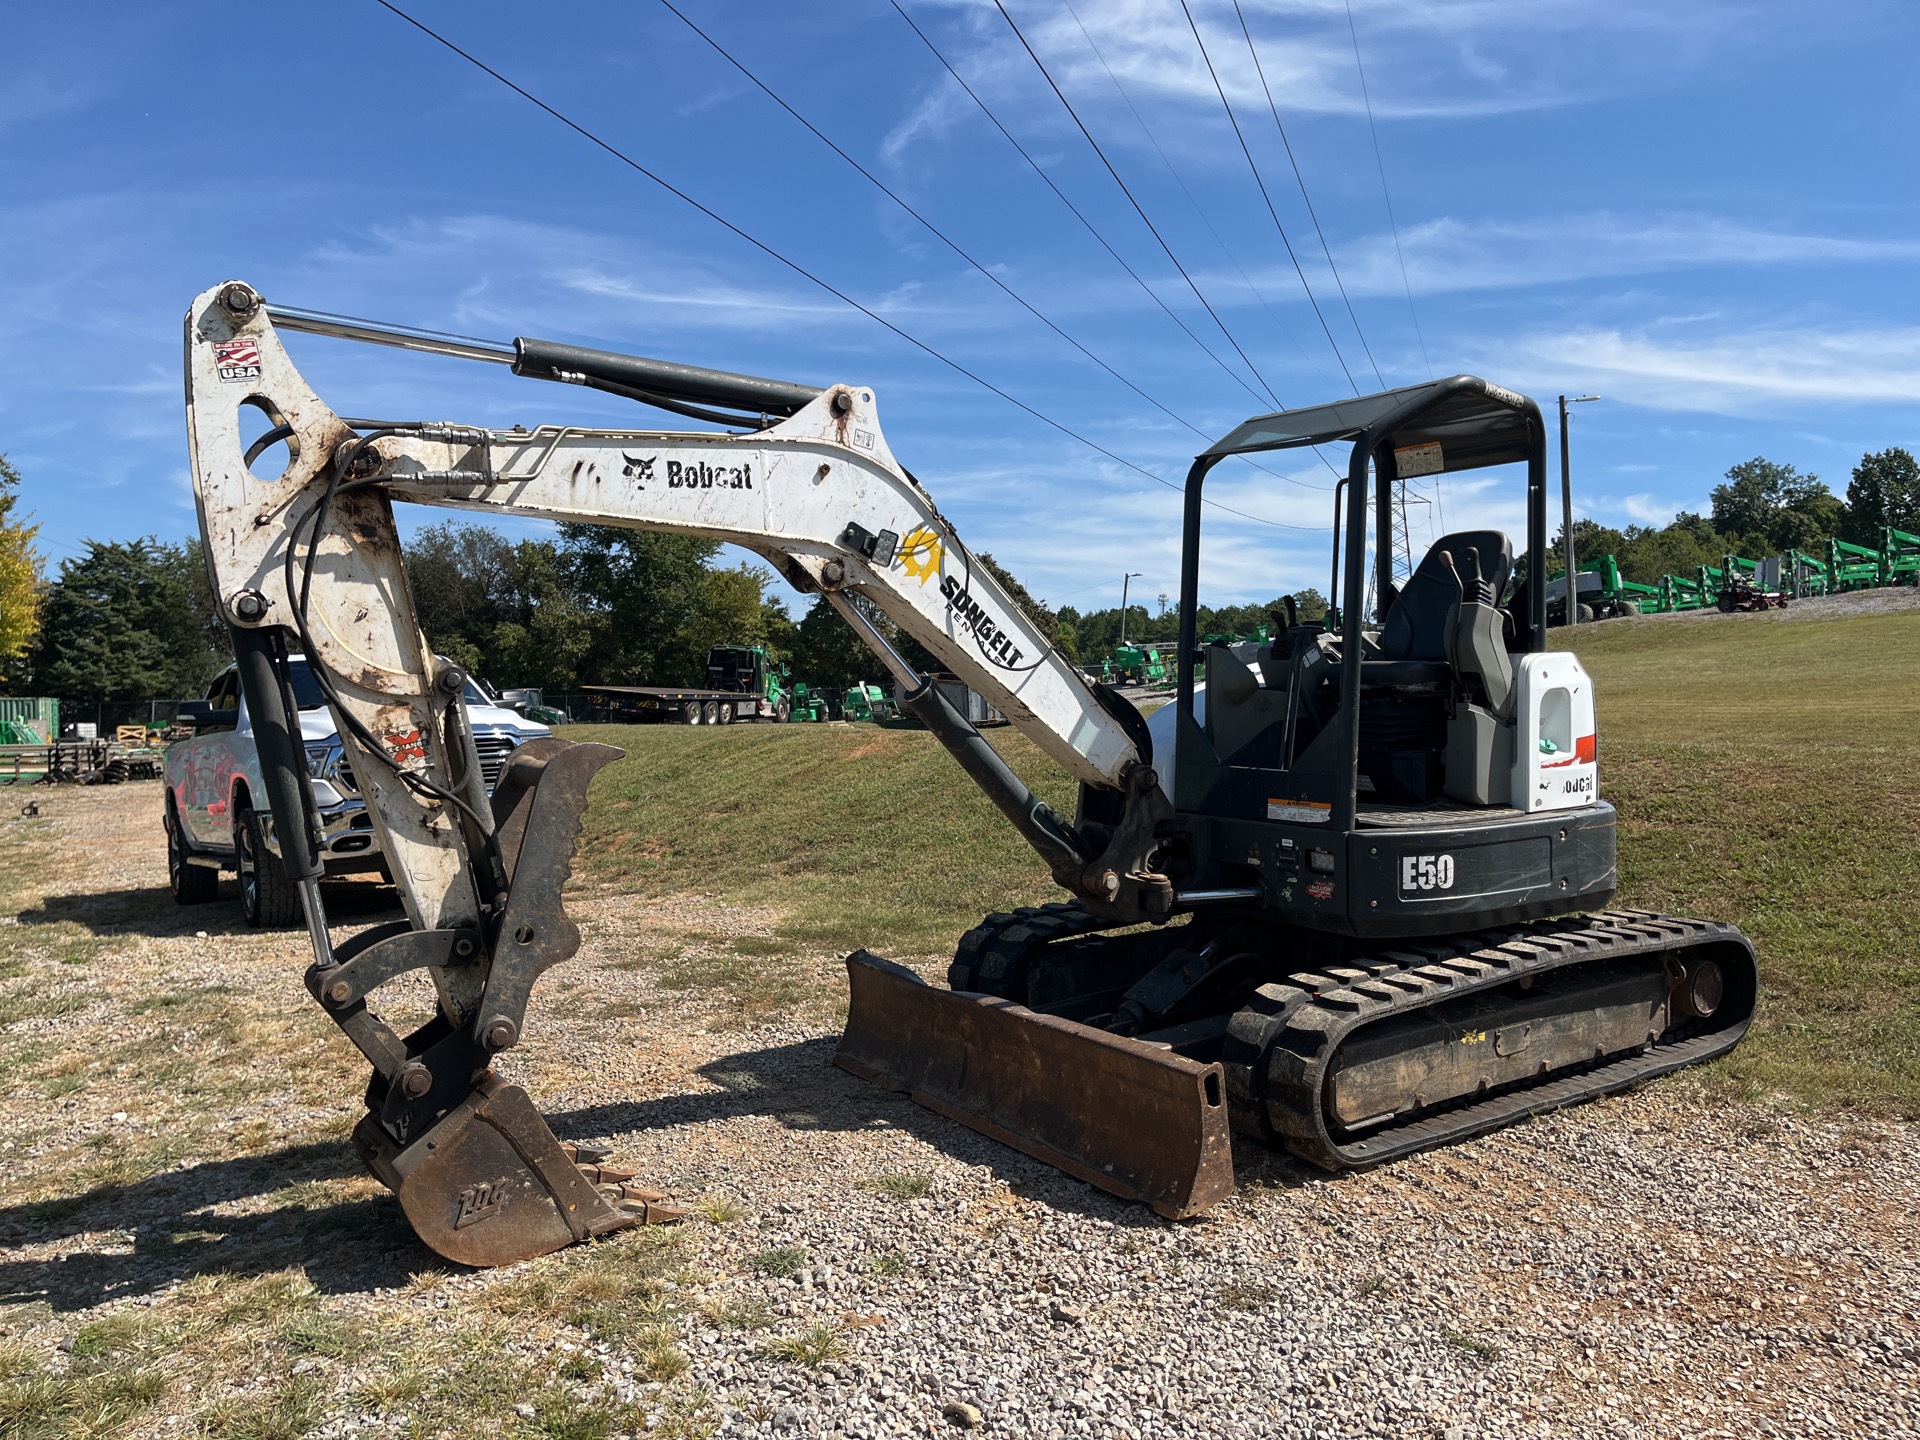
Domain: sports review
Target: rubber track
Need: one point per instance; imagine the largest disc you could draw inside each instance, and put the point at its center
(989, 958)
(1280, 1043)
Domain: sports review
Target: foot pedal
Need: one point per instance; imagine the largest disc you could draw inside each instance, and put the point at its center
(489, 1184)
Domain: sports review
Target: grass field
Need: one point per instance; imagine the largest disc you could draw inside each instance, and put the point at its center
(1762, 769)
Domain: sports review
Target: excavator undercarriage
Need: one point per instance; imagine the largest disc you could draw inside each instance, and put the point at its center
(1348, 893)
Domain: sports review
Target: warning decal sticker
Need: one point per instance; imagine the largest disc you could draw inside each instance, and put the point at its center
(1302, 812)
(1425, 459)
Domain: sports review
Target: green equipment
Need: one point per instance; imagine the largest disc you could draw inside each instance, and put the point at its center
(1677, 592)
(1804, 576)
(866, 701)
(1899, 557)
(1139, 665)
(1852, 567)
(1604, 593)
(808, 705)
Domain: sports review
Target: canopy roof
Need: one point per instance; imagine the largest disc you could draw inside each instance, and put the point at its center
(1472, 421)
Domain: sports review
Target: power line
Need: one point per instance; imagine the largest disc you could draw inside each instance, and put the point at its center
(931, 228)
(1166, 160)
(1220, 90)
(1301, 181)
(1075, 116)
(805, 273)
(1092, 230)
(1392, 225)
(1381, 165)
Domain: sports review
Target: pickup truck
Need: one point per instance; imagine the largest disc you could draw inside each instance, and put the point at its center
(214, 787)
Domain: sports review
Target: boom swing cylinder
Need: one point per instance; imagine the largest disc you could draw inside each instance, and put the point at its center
(1292, 967)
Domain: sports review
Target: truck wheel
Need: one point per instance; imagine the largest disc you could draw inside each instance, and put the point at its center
(191, 884)
(690, 712)
(782, 713)
(712, 716)
(267, 897)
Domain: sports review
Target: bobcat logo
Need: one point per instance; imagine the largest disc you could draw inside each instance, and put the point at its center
(638, 468)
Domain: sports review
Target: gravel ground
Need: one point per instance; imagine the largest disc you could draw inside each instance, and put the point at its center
(1661, 1264)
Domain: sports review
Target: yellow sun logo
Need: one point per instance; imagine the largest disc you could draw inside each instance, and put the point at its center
(920, 553)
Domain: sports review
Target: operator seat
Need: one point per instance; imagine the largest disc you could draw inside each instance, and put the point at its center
(1433, 645)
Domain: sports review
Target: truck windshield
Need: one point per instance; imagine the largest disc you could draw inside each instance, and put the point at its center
(306, 690)
(307, 694)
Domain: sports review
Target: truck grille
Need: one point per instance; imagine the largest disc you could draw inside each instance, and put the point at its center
(494, 750)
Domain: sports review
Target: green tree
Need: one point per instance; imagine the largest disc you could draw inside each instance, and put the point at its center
(1885, 490)
(124, 622)
(20, 569)
(826, 654)
(1768, 506)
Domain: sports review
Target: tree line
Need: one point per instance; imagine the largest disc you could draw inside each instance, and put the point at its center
(135, 620)
(1764, 508)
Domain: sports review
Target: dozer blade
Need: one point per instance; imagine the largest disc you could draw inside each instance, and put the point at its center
(489, 1184)
(1135, 1120)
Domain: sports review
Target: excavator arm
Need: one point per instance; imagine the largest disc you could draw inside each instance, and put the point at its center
(309, 561)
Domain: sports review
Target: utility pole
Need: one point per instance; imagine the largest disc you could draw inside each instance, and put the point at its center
(1125, 580)
(1566, 510)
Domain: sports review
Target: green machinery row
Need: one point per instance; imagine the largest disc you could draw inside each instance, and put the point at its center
(1797, 575)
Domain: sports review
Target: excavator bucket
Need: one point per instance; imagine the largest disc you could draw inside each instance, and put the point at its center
(1136, 1120)
(489, 1184)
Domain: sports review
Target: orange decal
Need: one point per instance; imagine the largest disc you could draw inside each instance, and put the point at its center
(406, 745)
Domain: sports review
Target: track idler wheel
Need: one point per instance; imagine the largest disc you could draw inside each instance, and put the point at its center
(489, 1184)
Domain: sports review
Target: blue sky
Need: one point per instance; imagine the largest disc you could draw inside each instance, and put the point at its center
(1703, 212)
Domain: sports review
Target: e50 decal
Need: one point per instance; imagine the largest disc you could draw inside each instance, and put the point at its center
(1425, 872)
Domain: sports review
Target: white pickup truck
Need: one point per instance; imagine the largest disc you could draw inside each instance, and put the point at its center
(217, 817)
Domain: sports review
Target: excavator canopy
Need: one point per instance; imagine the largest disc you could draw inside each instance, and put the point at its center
(1473, 422)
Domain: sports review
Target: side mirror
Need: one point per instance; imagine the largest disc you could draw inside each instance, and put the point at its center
(200, 715)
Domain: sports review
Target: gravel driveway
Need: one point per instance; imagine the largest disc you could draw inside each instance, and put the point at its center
(1660, 1264)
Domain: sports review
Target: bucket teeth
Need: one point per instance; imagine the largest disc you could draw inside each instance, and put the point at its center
(644, 1206)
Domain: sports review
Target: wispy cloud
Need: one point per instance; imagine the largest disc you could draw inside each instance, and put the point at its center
(1450, 255)
(1734, 372)
(1425, 59)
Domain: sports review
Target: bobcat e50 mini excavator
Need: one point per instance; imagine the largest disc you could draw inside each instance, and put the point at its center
(1361, 914)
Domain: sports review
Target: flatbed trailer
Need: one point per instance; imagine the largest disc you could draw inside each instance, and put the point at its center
(680, 705)
(744, 682)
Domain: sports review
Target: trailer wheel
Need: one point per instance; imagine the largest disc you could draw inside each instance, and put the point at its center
(729, 712)
(712, 712)
(690, 712)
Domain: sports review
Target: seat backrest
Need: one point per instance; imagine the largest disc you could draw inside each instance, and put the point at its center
(1493, 548)
(1421, 624)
